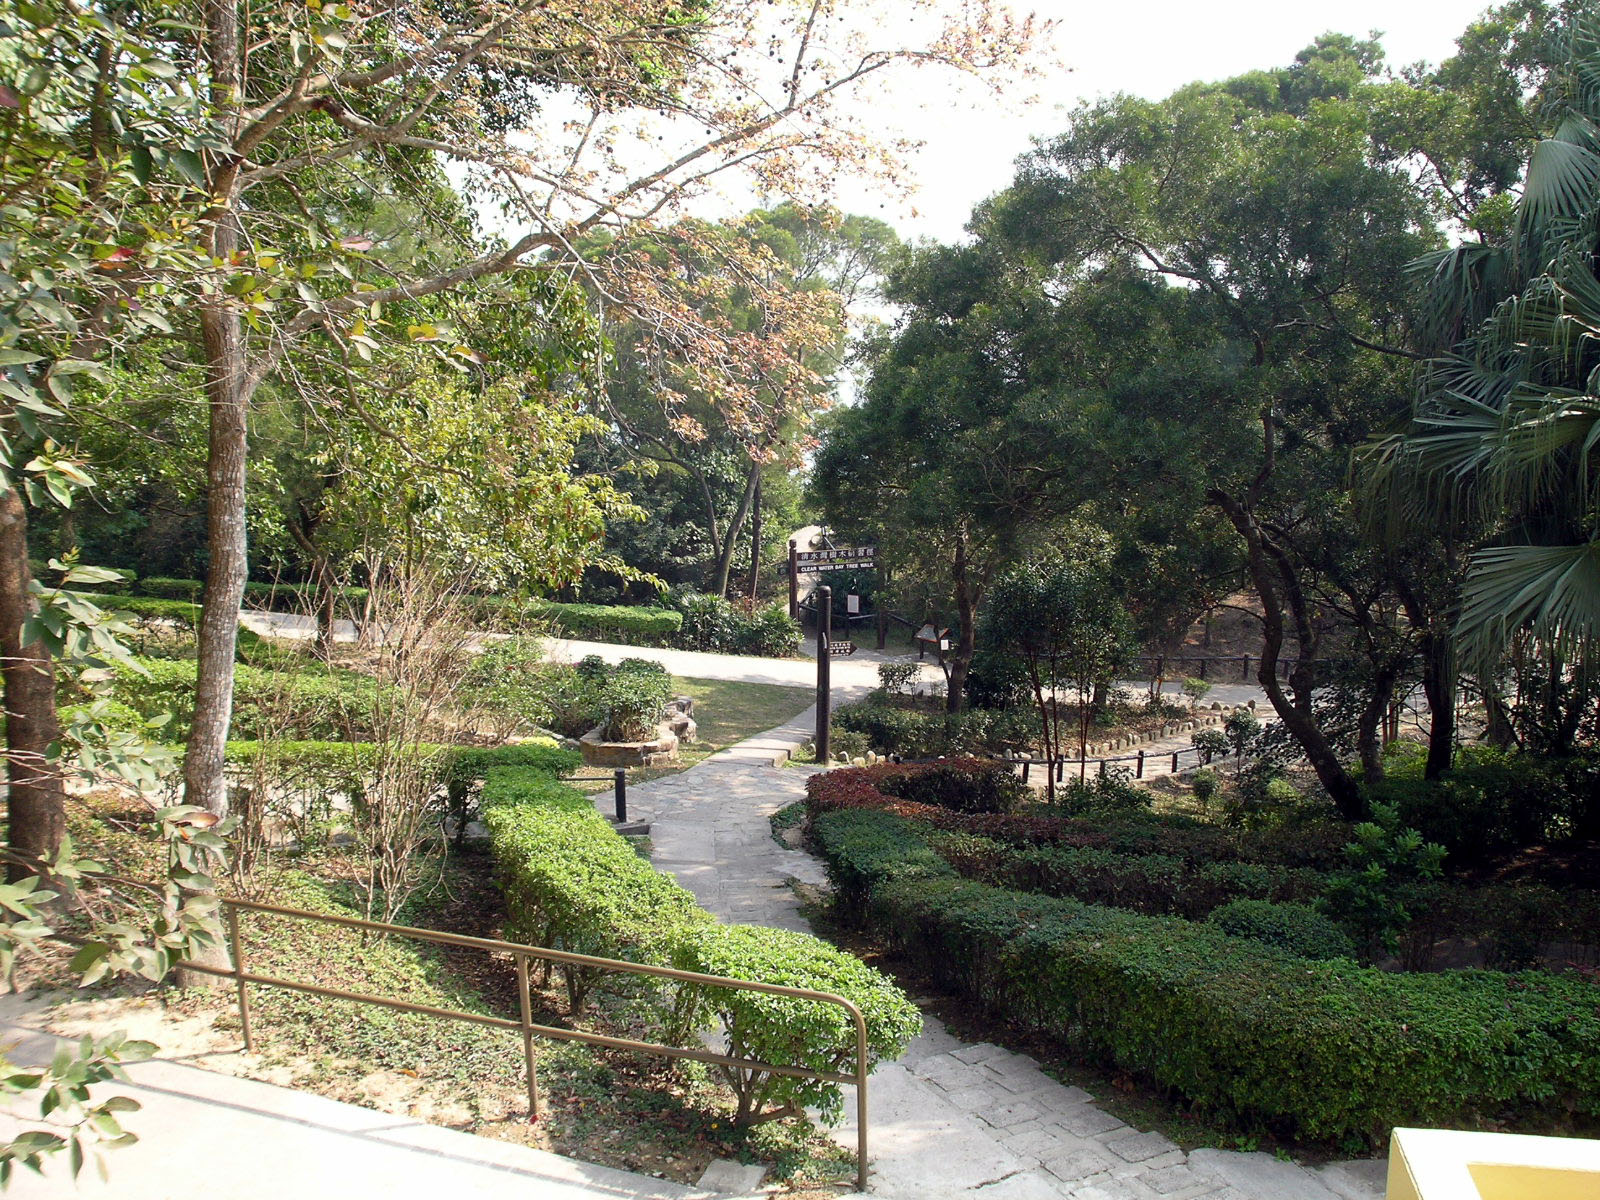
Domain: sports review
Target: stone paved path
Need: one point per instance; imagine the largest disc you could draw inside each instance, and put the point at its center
(950, 1119)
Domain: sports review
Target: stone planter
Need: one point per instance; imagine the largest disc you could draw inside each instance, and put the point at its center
(657, 753)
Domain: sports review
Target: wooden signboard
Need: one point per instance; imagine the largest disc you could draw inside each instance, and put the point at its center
(842, 558)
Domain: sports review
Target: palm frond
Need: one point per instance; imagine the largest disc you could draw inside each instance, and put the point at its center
(1550, 592)
(1562, 181)
(1461, 285)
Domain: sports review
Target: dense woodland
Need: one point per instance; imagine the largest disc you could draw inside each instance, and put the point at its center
(1317, 343)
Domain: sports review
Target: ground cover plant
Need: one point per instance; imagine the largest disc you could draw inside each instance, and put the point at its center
(1256, 1013)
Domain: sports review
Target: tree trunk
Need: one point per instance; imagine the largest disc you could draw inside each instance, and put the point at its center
(226, 371)
(1051, 752)
(967, 638)
(227, 401)
(1369, 726)
(1439, 686)
(730, 540)
(755, 546)
(1272, 574)
(37, 803)
(1438, 652)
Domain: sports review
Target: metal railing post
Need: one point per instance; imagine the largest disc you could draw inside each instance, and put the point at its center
(620, 784)
(861, 1099)
(237, 946)
(525, 1024)
(1139, 772)
(525, 1001)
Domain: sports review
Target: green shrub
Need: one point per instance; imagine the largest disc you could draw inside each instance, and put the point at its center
(898, 678)
(783, 1029)
(1492, 803)
(1156, 884)
(188, 590)
(962, 787)
(573, 883)
(1216, 1019)
(512, 685)
(1211, 743)
(633, 701)
(1384, 881)
(1205, 783)
(770, 632)
(918, 733)
(999, 681)
(144, 610)
(848, 744)
(465, 767)
(714, 624)
(1297, 929)
(635, 625)
(1108, 795)
(316, 703)
(862, 846)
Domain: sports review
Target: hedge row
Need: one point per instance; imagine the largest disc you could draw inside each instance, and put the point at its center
(573, 883)
(1173, 866)
(1157, 884)
(634, 625)
(1256, 1037)
(1253, 1036)
(889, 785)
(323, 704)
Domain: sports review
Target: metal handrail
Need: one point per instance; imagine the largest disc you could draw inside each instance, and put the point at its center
(243, 977)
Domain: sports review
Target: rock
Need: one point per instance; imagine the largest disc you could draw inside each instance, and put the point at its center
(656, 753)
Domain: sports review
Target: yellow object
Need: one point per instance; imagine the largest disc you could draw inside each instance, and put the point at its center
(1447, 1164)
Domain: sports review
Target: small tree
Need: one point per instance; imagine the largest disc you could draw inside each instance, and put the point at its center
(1240, 729)
(1062, 616)
(1196, 689)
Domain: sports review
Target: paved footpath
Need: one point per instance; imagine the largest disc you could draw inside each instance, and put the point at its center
(949, 1119)
(202, 1133)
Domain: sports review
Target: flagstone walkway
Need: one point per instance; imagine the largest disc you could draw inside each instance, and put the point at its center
(949, 1119)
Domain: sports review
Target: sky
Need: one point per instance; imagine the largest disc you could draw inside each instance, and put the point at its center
(1144, 47)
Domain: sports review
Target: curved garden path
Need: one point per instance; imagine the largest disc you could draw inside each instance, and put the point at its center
(950, 1118)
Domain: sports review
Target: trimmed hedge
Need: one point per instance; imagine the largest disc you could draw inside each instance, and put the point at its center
(1253, 1036)
(315, 705)
(919, 733)
(634, 626)
(783, 1030)
(1297, 929)
(1157, 884)
(1318, 845)
(637, 625)
(573, 883)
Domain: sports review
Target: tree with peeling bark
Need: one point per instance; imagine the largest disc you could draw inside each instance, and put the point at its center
(299, 88)
(94, 127)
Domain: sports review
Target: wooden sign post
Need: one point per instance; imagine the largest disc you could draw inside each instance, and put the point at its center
(824, 673)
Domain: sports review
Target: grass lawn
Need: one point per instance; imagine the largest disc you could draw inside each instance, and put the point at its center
(726, 712)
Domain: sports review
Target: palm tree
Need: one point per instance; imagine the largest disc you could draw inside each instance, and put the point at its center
(1506, 430)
